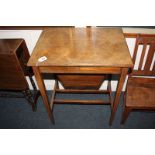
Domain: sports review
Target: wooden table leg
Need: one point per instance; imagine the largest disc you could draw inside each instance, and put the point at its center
(118, 93)
(42, 88)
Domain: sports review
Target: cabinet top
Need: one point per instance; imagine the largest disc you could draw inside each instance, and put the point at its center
(8, 46)
(82, 47)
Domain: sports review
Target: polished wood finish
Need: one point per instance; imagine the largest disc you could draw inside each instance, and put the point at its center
(56, 87)
(82, 47)
(80, 70)
(10, 65)
(80, 102)
(72, 81)
(141, 89)
(76, 91)
(14, 56)
(75, 53)
(134, 35)
(43, 92)
(118, 93)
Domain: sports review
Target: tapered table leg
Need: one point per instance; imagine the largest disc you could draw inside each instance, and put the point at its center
(118, 93)
(42, 88)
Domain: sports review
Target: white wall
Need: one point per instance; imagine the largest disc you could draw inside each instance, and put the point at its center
(31, 37)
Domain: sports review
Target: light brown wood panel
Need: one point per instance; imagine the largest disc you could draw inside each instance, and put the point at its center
(81, 70)
(71, 81)
(82, 47)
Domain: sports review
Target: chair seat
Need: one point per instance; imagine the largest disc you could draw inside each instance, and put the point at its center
(140, 93)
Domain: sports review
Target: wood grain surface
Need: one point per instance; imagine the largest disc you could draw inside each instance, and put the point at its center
(82, 47)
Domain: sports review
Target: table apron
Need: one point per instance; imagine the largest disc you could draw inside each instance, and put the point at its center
(81, 70)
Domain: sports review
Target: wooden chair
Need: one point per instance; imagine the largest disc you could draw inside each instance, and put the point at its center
(140, 90)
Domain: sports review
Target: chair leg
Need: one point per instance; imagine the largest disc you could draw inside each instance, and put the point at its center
(36, 93)
(125, 114)
(33, 84)
(29, 97)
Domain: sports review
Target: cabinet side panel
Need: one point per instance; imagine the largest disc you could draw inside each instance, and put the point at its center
(10, 74)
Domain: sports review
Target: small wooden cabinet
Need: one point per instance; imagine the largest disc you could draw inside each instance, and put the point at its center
(14, 56)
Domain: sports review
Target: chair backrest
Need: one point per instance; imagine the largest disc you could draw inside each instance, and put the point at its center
(144, 56)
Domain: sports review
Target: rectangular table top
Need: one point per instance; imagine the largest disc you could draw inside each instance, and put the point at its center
(105, 47)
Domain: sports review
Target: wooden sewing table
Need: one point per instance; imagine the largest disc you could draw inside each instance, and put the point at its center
(86, 52)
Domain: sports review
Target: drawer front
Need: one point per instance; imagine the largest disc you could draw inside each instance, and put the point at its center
(71, 81)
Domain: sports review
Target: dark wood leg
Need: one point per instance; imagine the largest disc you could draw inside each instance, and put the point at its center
(126, 110)
(118, 93)
(125, 114)
(33, 84)
(110, 91)
(36, 92)
(43, 92)
(53, 94)
(29, 97)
